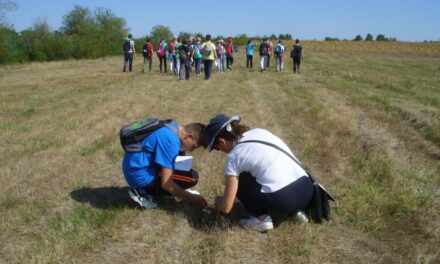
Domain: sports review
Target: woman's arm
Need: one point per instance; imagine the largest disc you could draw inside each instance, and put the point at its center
(224, 204)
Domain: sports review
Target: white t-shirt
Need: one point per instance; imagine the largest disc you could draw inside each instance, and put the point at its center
(272, 168)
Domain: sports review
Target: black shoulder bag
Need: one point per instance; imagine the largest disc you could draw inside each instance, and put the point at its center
(319, 207)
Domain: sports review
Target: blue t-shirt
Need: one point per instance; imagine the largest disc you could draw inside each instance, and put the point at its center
(140, 168)
(250, 49)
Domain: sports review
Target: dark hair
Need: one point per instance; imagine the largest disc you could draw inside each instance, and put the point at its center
(198, 132)
(249, 41)
(148, 40)
(208, 37)
(297, 41)
(130, 35)
(234, 135)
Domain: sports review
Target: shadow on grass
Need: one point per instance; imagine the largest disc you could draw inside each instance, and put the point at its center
(110, 198)
(103, 197)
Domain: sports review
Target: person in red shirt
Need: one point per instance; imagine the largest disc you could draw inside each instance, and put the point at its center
(147, 52)
(229, 54)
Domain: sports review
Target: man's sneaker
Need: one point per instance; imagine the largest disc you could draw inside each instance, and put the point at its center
(193, 191)
(255, 224)
(301, 217)
(145, 201)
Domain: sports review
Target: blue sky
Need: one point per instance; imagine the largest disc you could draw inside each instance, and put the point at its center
(415, 20)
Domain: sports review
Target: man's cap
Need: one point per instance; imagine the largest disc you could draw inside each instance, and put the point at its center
(216, 124)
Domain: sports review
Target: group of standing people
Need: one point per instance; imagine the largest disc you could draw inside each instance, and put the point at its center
(179, 56)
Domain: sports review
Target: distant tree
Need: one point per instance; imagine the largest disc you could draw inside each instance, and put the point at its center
(281, 36)
(110, 30)
(7, 5)
(273, 36)
(358, 38)
(381, 37)
(79, 22)
(369, 37)
(199, 35)
(159, 32)
(331, 39)
(288, 36)
(184, 35)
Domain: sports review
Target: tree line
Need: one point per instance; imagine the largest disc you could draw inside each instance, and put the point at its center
(368, 37)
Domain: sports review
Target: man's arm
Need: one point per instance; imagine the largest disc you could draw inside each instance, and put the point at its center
(170, 186)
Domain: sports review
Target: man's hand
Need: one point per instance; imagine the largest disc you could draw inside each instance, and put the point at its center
(198, 200)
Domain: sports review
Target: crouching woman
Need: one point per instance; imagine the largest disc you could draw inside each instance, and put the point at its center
(262, 177)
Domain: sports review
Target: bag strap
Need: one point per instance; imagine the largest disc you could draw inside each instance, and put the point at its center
(280, 149)
(295, 160)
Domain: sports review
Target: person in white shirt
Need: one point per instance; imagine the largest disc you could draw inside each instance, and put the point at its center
(262, 177)
(129, 53)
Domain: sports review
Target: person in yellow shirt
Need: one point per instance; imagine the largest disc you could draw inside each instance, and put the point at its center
(209, 55)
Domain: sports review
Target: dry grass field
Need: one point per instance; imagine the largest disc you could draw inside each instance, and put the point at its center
(63, 198)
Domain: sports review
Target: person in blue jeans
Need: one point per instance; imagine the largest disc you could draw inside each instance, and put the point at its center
(209, 55)
(249, 54)
(197, 56)
(148, 173)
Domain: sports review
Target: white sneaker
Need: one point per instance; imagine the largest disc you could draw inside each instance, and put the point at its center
(301, 217)
(193, 191)
(144, 201)
(255, 224)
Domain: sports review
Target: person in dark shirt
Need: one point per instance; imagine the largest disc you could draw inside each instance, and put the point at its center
(185, 53)
(264, 54)
(296, 55)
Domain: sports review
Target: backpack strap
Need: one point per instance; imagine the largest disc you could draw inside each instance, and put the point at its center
(170, 127)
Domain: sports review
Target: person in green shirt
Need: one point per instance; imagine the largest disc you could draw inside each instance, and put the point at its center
(209, 55)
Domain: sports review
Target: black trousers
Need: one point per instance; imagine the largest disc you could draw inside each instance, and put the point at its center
(288, 200)
(296, 64)
(249, 61)
(163, 61)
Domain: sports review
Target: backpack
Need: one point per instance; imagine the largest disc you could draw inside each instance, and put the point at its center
(146, 51)
(207, 49)
(131, 135)
(278, 50)
(264, 49)
(126, 46)
(160, 51)
(183, 54)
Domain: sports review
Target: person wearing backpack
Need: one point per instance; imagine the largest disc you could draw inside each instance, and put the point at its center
(279, 55)
(147, 53)
(129, 53)
(296, 55)
(263, 178)
(209, 55)
(149, 172)
(197, 56)
(264, 53)
(185, 54)
(229, 54)
(221, 50)
(249, 53)
(161, 55)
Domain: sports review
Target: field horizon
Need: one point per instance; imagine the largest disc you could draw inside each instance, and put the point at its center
(364, 120)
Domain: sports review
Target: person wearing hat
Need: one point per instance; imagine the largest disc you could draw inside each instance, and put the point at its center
(261, 176)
